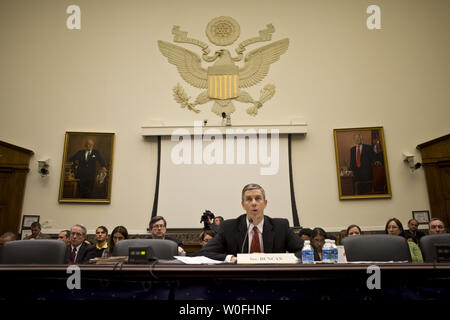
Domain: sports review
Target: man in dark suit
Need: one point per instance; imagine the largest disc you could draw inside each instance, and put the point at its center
(85, 167)
(253, 231)
(158, 228)
(79, 252)
(361, 159)
(413, 232)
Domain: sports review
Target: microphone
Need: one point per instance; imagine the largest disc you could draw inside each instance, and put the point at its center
(246, 234)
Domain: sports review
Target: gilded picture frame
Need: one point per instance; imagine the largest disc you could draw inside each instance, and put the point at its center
(362, 172)
(87, 167)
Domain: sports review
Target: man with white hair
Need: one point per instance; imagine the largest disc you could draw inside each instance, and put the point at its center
(79, 252)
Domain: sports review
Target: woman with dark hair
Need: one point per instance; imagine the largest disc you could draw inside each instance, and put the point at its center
(318, 237)
(353, 230)
(305, 234)
(394, 227)
(206, 235)
(119, 233)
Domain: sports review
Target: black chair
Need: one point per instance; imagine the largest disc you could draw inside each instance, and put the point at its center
(428, 245)
(161, 249)
(33, 252)
(376, 247)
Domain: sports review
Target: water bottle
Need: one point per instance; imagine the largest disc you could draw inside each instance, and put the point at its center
(327, 252)
(307, 253)
(335, 251)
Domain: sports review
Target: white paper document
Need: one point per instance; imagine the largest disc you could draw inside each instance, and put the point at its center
(198, 260)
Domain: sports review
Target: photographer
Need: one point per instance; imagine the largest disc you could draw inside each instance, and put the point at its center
(208, 221)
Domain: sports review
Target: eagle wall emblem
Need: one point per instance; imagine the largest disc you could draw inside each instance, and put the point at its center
(224, 81)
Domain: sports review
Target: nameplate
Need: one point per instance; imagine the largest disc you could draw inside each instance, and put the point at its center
(266, 258)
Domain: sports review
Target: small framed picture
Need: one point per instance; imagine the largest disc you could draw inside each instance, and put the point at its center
(27, 220)
(422, 217)
(25, 233)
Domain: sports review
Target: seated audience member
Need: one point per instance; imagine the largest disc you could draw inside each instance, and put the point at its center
(261, 234)
(305, 234)
(101, 245)
(436, 226)
(353, 230)
(413, 233)
(118, 234)
(395, 227)
(206, 235)
(158, 228)
(36, 232)
(64, 236)
(317, 241)
(218, 220)
(204, 238)
(78, 252)
(7, 237)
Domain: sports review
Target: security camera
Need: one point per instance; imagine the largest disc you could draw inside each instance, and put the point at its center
(43, 166)
(409, 158)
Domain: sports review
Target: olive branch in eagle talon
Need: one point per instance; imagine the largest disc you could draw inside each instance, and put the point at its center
(224, 80)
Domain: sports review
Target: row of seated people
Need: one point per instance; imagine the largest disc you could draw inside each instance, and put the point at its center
(81, 250)
(262, 234)
(393, 226)
(76, 238)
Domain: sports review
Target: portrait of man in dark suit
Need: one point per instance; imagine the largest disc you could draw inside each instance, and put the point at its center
(361, 163)
(361, 160)
(87, 167)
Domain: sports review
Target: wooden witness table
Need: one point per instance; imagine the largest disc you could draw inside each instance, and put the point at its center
(398, 281)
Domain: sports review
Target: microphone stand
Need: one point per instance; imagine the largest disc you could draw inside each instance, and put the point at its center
(246, 234)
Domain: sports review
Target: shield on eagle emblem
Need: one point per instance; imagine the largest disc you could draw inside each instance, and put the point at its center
(223, 82)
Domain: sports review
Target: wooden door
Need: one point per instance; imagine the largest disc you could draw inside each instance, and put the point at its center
(436, 163)
(14, 163)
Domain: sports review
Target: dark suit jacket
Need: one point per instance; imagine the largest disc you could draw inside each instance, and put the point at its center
(277, 238)
(87, 167)
(179, 243)
(85, 253)
(364, 172)
(416, 237)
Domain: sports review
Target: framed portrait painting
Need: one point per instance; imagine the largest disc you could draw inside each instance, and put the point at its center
(87, 164)
(361, 163)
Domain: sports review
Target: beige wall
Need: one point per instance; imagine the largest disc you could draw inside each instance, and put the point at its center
(110, 77)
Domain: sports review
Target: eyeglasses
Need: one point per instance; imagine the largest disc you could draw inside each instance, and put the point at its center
(158, 226)
(437, 227)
